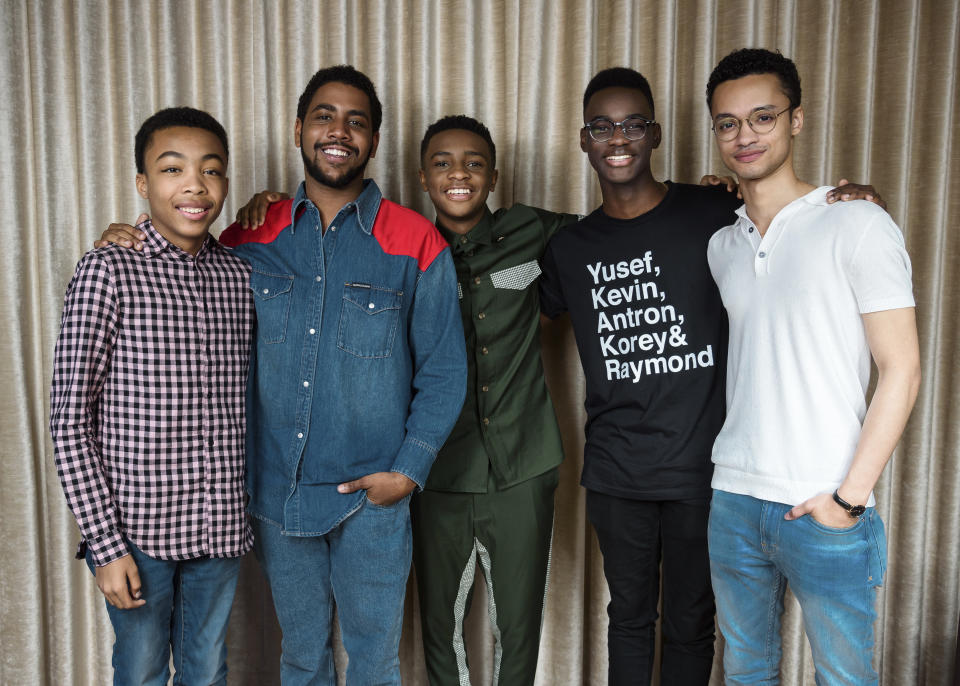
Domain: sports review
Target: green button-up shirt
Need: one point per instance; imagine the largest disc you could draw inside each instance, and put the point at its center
(507, 423)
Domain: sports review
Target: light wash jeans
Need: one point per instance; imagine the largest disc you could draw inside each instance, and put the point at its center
(361, 566)
(187, 609)
(834, 573)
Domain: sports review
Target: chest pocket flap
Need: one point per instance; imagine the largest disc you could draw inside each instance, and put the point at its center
(369, 317)
(272, 294)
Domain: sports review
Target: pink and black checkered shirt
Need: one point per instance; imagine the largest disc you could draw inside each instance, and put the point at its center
(147, 408)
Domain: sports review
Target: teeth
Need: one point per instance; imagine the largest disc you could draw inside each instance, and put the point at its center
(458, 191)
(335, 151)
(617, 158)
(193, 210)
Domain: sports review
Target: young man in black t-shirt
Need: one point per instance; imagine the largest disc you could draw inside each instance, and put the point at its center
(652, 335)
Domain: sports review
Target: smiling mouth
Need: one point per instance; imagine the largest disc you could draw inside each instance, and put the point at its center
(747, 155)
(618, 160)
(458, 193)
(193, 212)
(333, 153)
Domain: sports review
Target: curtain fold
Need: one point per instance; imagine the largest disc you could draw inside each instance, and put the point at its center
(880, 94)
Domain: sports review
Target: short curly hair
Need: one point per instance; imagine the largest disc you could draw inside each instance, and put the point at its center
(169, 118)
(459, 122)
(619, 77)
(342, 73)
(746, 61)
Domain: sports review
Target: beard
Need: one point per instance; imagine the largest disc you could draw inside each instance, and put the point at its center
(336, 182)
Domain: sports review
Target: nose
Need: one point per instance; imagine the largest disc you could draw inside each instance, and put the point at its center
(745, 135)
(458, 171)
(618, 137)
(194, 181)
(337, 128)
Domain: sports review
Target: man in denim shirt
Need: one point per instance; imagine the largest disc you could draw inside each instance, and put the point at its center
(360, 374)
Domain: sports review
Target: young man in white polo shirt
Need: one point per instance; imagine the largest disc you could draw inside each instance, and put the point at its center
(812, 292)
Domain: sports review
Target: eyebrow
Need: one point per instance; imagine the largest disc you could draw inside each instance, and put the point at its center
(758, 108)
(181, 156)
(465, 152)
(333, 108)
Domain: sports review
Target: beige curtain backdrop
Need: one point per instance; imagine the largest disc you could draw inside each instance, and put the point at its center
(77, 78)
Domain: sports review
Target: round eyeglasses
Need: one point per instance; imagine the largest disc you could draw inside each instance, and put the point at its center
(761, 121)
(634, 128)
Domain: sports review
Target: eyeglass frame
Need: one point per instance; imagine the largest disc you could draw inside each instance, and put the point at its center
(713, 123)
(647, 123)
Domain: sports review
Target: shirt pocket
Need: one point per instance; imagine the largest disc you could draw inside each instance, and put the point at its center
(272, 294)
(516, 278)
(369, 316)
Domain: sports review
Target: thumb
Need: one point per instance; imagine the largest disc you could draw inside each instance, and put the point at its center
(353, 486)
(842, 182)
(798, 511)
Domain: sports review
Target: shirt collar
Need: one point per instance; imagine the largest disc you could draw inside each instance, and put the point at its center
(480, 234)
(155, 244)
(366, 205)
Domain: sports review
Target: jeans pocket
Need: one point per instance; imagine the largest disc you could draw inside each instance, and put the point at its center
(837, 531)
(369, 316)
(272, 294)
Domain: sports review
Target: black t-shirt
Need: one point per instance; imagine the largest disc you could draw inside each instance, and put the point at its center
(652, 336)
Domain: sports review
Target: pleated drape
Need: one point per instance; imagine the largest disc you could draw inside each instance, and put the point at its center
(77, 77)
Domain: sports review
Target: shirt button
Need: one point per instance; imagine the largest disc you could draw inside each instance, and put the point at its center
(371, 306)
(332, 228)
(213, 489)
(306, 384)
(266, 290)
(481, 316)
(300, 435)
(312, 331)
(486, 421)
(318, 278)
(484, 388)
(463, 239)
(750, 229)
(483, 350)
(476, 280)
(761, 254)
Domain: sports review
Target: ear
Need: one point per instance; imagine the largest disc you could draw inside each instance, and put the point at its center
(584, 140)
(493, 179)
(142, 186)
(796, 120)
(374, 144)
(297, 129)
(655, 141)
(423, 181)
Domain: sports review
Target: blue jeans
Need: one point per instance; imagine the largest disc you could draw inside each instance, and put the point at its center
(362, 565)
(187, 609)
(834, 574)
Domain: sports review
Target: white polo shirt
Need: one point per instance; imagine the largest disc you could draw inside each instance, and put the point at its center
(799, 363)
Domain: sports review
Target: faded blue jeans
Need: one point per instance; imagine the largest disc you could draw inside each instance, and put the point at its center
(187, 610)
(834, 574)
(361, 566)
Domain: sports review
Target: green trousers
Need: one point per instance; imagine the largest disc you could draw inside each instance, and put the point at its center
(508, 532)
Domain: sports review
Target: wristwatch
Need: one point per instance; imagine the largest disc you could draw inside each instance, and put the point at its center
(853, 510)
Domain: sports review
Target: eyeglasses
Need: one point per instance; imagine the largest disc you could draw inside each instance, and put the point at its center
(634, 128)
(761, 121)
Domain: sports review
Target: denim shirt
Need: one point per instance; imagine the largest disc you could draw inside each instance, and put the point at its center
(358, 363)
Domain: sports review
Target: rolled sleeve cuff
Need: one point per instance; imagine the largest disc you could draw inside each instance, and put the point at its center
(414, 460)
(107, 547)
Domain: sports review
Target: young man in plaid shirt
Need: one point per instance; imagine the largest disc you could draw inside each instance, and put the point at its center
(147, 412)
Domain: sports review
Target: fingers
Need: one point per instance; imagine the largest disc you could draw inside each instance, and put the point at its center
(123, 235)
(798, 511)
(254, 213)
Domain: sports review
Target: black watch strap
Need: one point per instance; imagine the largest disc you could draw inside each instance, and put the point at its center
(853, 510)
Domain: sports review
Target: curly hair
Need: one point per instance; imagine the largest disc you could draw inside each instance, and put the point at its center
(170, 117)
(746, 61)
(459, 122)
(342, 73)
(619, 77)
